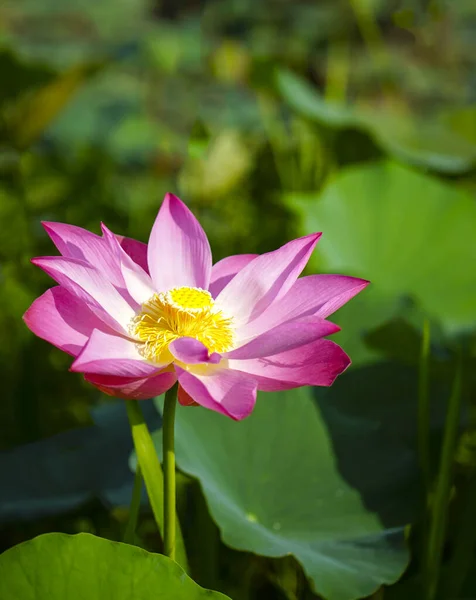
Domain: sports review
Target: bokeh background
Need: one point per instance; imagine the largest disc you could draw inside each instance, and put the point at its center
(270, 119)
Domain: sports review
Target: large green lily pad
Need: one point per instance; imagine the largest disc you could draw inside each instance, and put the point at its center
(56, 566)
(273, 488)
(410, 234)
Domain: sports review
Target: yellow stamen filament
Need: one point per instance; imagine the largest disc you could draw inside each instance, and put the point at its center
(181, 312)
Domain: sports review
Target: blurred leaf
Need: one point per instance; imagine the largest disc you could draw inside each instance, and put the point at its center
(371, 416)
(14, 237)
(71, 467)
(367, 311)
(401, 341)
(16, 296)
(231, 62)
(404, 18)
(272, 486)
(21, 76)
(82, 30)
(420, 141)
(56, 566)
(226, 162)
(172, 46)
(397, 340)
(306, 100)
(463, 121)
(99, 108)
(139, 138)
(226, 107)
(33, 115)
(408, 233)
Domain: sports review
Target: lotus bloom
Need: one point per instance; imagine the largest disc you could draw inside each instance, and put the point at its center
(138, 317)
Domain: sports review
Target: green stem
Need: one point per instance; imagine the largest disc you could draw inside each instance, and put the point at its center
(441, 499)
(152, 472)
(168, 427)
(424, 409)
(129, 534)
(424, 440)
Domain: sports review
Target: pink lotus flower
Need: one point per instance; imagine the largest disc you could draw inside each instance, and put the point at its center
(139, 317)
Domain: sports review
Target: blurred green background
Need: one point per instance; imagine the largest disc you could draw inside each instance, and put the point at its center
(270, 119)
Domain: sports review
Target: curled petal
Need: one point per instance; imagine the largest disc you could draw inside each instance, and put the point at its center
(60, 318)
(318, 363)
(133, 388)
(191, 352)
(265, 279)
(224, 271)
(286, 336)
(178, 252)
(222, 390)
(106, 354)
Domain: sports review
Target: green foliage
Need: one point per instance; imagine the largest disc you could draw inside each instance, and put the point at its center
(104, 107)
(273, 488)
(407, 232)
(57, 566)
(417, 140)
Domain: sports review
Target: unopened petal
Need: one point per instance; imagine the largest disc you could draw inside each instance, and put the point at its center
(178, 252)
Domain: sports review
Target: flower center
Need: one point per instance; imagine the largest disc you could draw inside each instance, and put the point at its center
(180, 312)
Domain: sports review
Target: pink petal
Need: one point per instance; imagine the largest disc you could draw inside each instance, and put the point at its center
(132, 388)
(284, 337)
(222, 390)
(319, 295)
(224, 271)
(136, 250)
(106, 354)
(178, 253)
(318, 363)
(91, 286)
(75, 242)
(265, 279)
(191, 352)
(62, 319)
(184, 399)
(137, 282)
